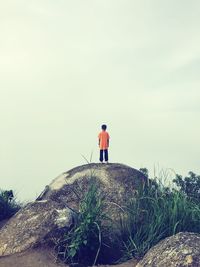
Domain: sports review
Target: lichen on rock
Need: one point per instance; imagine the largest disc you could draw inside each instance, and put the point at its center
(180, 250)
(30, 226)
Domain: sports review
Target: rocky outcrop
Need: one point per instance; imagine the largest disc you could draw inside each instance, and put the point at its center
(180, 250)
(55, 206)
(32, 224)
(117, 182)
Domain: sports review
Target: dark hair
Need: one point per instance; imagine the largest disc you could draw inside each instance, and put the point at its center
(103, 127)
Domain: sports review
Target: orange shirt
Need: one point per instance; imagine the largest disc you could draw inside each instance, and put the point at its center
(103, 137)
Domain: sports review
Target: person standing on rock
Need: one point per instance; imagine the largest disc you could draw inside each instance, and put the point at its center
(103, 144)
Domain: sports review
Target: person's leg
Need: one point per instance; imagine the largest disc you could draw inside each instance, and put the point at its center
(106, 155)
(101, 155)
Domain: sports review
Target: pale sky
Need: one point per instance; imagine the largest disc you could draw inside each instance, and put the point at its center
(66, 67)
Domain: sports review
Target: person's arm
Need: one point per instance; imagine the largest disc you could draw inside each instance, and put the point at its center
(108, 138)
(99, 138)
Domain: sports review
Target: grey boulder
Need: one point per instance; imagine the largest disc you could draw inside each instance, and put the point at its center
(32, 224)
(180, 250)
(57, 205)
(117, 182)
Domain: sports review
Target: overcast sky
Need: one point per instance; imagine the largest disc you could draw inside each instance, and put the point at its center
(66, 67)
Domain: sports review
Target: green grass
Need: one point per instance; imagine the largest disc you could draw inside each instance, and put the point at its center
(82, 244)
(155, 213)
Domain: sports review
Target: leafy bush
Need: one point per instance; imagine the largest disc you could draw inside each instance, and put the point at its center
(8, 204)
(82, 244)
(190, 185)
(153, 214)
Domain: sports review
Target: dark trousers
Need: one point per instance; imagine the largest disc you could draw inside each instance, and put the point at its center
(103, 155)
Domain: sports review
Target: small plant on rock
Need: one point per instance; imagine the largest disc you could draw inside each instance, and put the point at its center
(82, 244)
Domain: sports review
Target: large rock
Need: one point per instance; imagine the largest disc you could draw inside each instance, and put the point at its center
(117, 182)
(182, 249)
(32, 224)
(53, 208)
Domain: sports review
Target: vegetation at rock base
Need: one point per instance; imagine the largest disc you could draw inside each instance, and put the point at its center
(157, 212)
(8, 204)
(154, 212)
(82, 244)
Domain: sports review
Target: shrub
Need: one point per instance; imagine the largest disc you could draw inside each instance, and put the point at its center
(190, 185)
(8, 204)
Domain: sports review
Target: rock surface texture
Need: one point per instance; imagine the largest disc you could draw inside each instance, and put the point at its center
(31, 225)
(117, 182)
(180, 250)
(53, 208)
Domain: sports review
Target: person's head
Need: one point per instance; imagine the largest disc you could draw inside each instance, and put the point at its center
(103, 127)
